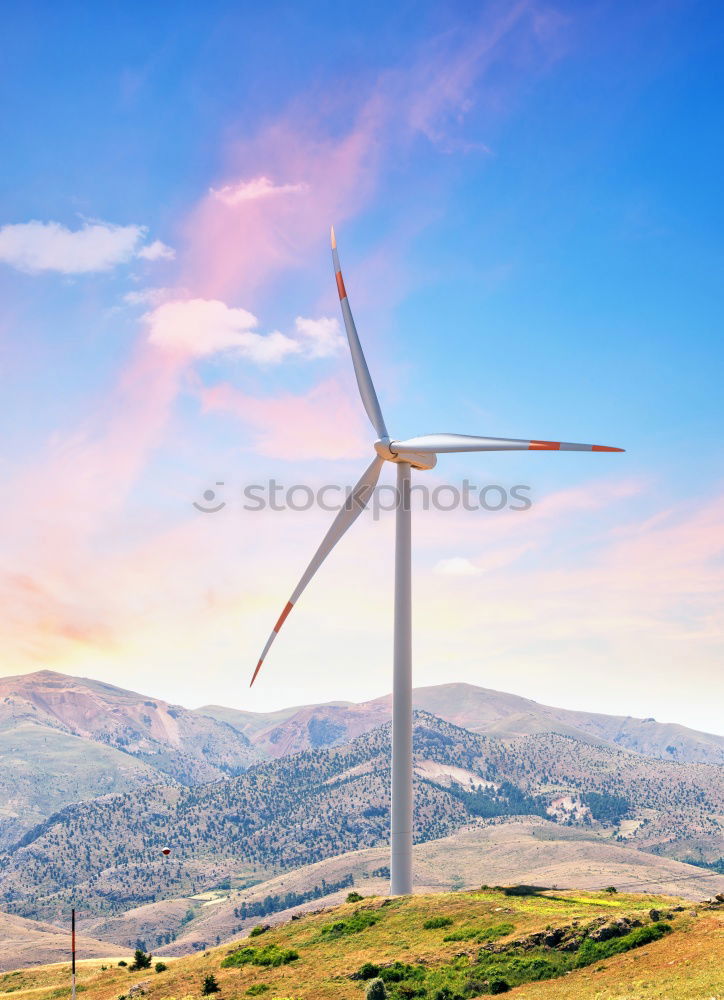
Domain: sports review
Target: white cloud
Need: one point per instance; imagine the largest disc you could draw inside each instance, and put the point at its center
(200, 327)
(457, 566)
(321, 337)
(257, 187)
(156, 251)
(148, 296)
(97, 246)
(49, 246)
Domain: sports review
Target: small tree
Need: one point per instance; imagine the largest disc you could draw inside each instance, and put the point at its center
(210, 985)
(140, 960)
(354, 897)
(160, 967)
(498, 986)
(376, 989)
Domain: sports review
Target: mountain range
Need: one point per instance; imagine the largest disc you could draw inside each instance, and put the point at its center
(294, 811)
(480, 710)
(95, 780)
(68, 739)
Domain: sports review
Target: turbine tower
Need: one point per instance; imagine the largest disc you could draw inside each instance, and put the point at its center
(414, 453)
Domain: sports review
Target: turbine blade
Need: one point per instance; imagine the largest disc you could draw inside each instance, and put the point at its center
(354, 505)
(364, 380)
(450, 443)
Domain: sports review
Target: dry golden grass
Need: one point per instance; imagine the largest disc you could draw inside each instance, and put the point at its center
(689, 963)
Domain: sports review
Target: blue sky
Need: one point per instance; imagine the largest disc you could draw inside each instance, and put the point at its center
(529, 212)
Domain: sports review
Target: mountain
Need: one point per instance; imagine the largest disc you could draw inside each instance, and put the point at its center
(65, 739)
(479, 709)
(283, 814)
(254, 724)
(68, 739)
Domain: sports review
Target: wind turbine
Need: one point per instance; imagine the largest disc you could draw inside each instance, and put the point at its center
(414, 453)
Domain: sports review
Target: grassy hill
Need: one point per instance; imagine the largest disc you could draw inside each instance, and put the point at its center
(440, 947)
(533, 851)
(284, 814)
(23, 942)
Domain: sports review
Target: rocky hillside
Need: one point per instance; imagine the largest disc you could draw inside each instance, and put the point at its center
(67, 739)
(283, 814)
(479, 709)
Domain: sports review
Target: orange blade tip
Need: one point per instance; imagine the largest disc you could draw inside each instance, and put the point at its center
(258, 668)
(544, 446)
(603, 447)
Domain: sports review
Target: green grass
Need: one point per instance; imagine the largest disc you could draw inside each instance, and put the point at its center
(596, 951)
(386, 940)
(435, 922)
(270, 955)
(480, 934)
(466, 977)
(359, 921)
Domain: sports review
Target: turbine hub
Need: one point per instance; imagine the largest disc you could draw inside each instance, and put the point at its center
(417, 459)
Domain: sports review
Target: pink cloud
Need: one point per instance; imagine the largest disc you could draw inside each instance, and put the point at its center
(285, 185)
(71, 531)
(324, 423)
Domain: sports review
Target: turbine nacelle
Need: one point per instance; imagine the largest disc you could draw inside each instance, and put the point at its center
(390, 452)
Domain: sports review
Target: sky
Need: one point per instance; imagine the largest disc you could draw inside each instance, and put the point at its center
(528, 206)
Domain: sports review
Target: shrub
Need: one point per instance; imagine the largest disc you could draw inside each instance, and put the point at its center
(271, 955)
(354, 897)
(209, 985)
(595, 951)
(611, 888)
(434, 922)
(140, 960)
(376, 990)
(408, 990)
(259, 929)
(359, 921)
(160, 967)
(123, 963)
(498, 986)
(399, 971)
(367, 971)
(256, 989)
